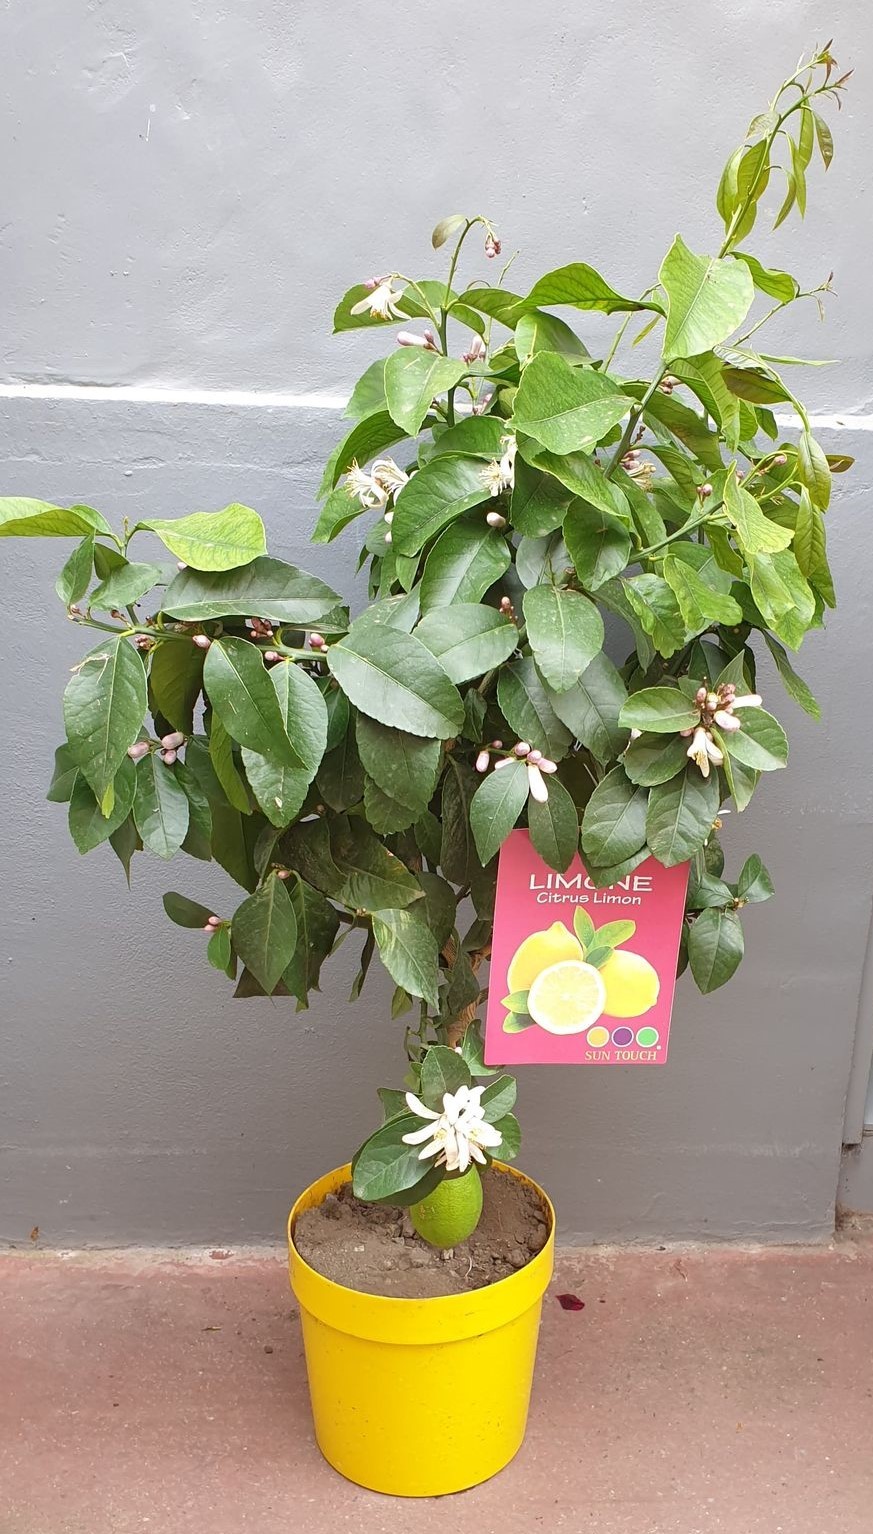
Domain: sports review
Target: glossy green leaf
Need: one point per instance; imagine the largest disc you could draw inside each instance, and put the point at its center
(527, 708)
(185, 912)
(394, 678)
(756, 534)
(754, 883)
(104, 705)
(160, 809)
(599, 543)
(715, 948)
(64, 776)
(539, 501)
(317, 928)
(409, 952)
(434, 497)
(591, 707)
(88, 826)
(340, 779)
(387, 1169)
(554, 826)
(707, 299)
(265, 932)
(404, 766)
(366, 440)
(496, 806)
(212, 540)
(280, 790)
(458, 859)
(578, 473)
(24, 518)
(464, 562)
(267, 587)
(413, 378)
(652, 758)
(499, 1097)
(614, 822)
(221, 757)
(760, 743)
(567, 409)
(699, 604)
(175, 681)
(793, 684)
(124, 586)
(374, 879)
(468, 639)
(75, 574)
(581, 287)
(243, 696)
(814, 470)
(661, 710)
(680, 814)
(779, 285)
(368, 395)
(657, 611)
(565, 632)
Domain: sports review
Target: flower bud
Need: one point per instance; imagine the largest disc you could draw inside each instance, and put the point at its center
(213, 921)
(704, 491)
(170, 742)
(505, 604)
(712, 700)
(535, 756)
(726, 721)
(283, 873)
(522, 749)
(208, 927)
(779, 459)
(492, 247)
(547, 765)
(505, 761)
(138, 750)
(497, 745)
(181, 565)
(409, 338)
(537, 786)
(168, 758)
(700, 695)
(317, 642)
(202, 641)
(483, 761)
(387, 537)
(494, 519)
(389, 517)
(271, 655)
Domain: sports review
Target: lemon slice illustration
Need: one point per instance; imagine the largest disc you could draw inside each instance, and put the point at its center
(538, 952)
(632, 985)
(567, 997)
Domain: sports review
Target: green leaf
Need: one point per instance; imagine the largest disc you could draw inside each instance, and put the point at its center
(567, 409)
(232, 845)
(603, 876)
(778, 285)
(23, 518)
(479, 435)
(810, 548)
(125, 842)
(175, 681)
(63, 776)
(527, 709)
(434, 497)
(499, 1097)
(404, 766)
(317, 927)
(446, 228)
(124, 586)
(385, 1168)
(244, 698)
(754, 883)
(457, 857)
(225, 769)
(340, 779)
(212, 540)
(655, 759)
(75, 576)
(707, 299)
(383, 813)
(268, 587)
(393, 677)
(554, 826)
(756, 534)
(814, 470)
(540, 332)
(219, 952)
(338, 511)
(160, 809)
(104, 706)
(614, 822)
(598, 542)
(793, 684)
(581, 287)
(439, 905)
(590, 708)
(374, 879)
(185, 912)
(538, 501)
(496, 806)
(366, 440)
(413, 378)
(657, 611)
(265, 932)
(698, 603)
(368, 395)
(409, 953)
(661, 710)
(541, 561)
(464, 562)
(473, 1051)
(510, 1137)
(600, 955)
(565, 632)
(580, 474)
(88, 827)
(281, 790)
(824, 139)
(715, 948)
(680, 815)
(760, 743)
(468, 639)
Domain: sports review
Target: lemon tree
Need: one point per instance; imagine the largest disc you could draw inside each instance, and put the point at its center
(510, 479)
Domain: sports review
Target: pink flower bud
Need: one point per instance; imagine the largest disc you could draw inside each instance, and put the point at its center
(283, 873)
(547, 765)
(725, 720)
(168, 757)
(482, 761)
(535, 756)
(497, 745)
(213, 921)
(537, 785)
(181, 565)
(712, 700)
(505, 761)
(522, 749)
(780, 458)
(494, 519)
(208, 927)
(317, 642)
(202, 641)
(700, 695)
(492, 247)
(409, 338)
(272, 655)
(705, 491)
(137, 751)
(170, 742)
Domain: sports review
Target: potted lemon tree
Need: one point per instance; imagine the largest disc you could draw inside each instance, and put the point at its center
(356, 775)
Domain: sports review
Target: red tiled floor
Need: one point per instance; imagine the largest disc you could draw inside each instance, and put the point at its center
(725, 1391)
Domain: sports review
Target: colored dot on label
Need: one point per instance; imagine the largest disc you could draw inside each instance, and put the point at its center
(597, 1037)
(647, 1038)
(622, 1037)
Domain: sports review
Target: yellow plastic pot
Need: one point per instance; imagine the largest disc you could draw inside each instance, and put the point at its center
(417, 1398)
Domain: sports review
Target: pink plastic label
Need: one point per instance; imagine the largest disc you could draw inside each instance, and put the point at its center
(579, 975)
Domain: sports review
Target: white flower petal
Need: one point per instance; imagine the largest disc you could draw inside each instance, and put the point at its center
(418, 1136)
(415, 1105)
(748, 700)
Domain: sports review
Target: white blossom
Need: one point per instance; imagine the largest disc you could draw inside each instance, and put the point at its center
(703, 750)
(381, 302)
(457, 1135)
(499, 474)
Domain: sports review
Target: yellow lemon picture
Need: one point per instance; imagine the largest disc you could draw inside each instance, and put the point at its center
(567, 997)
(538, 952)
(631, 984)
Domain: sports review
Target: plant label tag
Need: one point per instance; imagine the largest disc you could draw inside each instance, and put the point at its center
(580, 975)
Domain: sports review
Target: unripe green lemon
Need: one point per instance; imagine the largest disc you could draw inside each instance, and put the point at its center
(451, 1212)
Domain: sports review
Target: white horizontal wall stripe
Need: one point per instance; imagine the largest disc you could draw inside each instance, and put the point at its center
(265, 399)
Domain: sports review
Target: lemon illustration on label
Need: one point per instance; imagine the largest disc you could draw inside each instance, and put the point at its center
(631, 984)
(538, 952)
(567, 997)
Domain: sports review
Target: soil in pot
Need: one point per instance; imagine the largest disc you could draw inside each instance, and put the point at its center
(373, 1247)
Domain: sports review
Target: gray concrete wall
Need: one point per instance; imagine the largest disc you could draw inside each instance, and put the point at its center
(186, 190)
